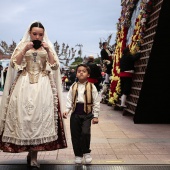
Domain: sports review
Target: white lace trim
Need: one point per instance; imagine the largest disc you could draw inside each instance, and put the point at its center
(29, 141)
(18, 67)
(54, 65)
(55, 99)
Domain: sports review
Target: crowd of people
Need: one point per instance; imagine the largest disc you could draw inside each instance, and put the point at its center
(68, 78)
(127, 69)
(96, 77)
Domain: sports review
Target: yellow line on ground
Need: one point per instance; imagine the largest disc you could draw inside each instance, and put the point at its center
(115, 161)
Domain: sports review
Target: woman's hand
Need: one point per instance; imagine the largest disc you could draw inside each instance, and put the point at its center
(45, 46)
(28, 46)
(21, 55)
(49, 52)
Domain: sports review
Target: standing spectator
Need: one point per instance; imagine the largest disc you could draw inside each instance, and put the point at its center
(4, 75)
(107, 60)
(72, 76)
(67, 82)
(84, 105)
(1, 68)
(103, 76)
(127, 69)
(95, 72)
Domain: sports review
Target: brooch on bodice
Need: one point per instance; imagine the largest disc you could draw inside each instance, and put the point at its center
(34, 56)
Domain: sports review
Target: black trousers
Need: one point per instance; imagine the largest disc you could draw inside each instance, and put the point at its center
(80, 127)
(126, 83)
(97, 86)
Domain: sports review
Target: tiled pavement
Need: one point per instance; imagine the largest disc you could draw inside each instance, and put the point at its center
(115, 140)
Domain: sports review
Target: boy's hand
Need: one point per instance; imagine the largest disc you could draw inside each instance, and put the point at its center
(95, 120)
(65, 115)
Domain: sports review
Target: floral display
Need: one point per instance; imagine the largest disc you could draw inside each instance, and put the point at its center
(123, 25)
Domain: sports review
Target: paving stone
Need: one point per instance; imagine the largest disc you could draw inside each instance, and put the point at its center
(115, 140)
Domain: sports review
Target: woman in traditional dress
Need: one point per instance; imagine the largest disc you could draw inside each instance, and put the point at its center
(31, 106)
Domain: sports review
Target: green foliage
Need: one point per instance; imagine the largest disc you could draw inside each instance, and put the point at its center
(97, 60)
(77, 61)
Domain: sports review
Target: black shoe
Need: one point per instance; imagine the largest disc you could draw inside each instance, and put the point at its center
(109, 104)
(34, 168)
(123, 107)
(28, 160)
(34, 165)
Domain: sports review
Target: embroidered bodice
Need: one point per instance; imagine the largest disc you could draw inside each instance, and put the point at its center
(35, 64)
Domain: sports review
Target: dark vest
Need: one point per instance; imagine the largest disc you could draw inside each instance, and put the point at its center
(88, 100)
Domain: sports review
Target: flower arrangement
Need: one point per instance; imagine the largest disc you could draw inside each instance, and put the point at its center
(137, 38)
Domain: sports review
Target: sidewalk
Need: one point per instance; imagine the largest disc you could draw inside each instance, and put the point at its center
(115, 140)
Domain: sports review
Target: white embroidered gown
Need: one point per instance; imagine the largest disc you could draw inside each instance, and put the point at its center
(32, 111)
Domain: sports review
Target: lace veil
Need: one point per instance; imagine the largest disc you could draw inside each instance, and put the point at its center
(12, 73)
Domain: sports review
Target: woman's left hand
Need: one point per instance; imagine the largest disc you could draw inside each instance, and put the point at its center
(45, 46)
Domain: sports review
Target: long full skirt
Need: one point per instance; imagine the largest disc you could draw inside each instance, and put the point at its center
(33, 118)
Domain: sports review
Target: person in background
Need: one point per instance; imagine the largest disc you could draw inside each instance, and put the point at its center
(103, 76)
(1, 68)
(127, 69)
(72, 76)
(84, 104)
(107, 60)
(95, 72)
(31, 105)
(4, 75)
